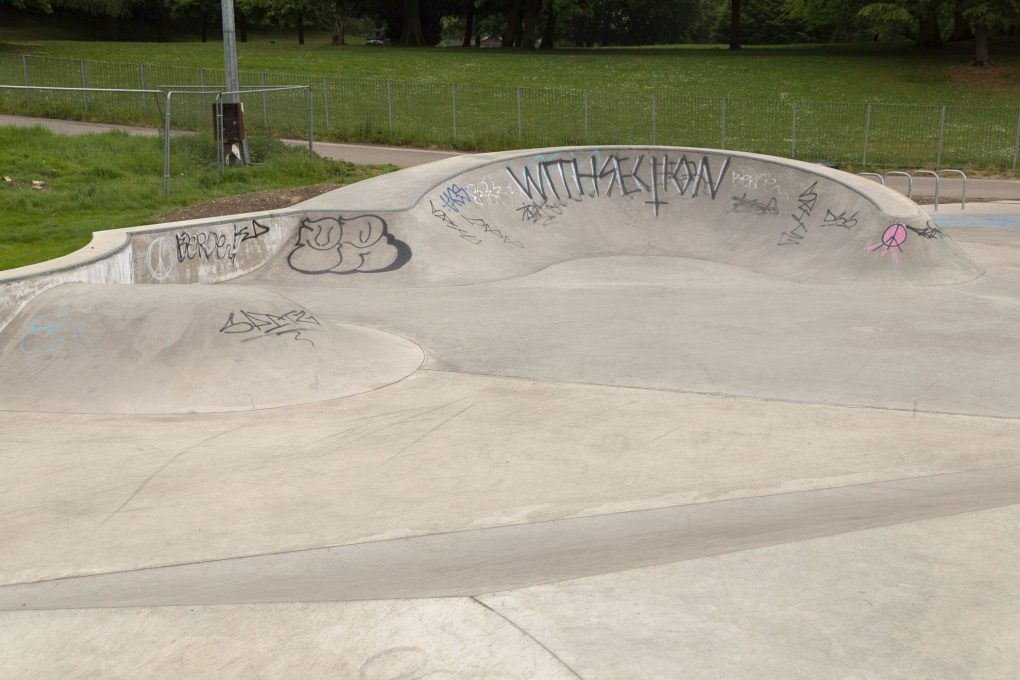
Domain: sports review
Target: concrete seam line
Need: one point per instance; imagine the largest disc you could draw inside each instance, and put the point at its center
(529, 636)
(727, 395)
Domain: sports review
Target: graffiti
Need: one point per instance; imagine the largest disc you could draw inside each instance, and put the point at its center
(448, 222)
(567, 179)
(484, 190)
(841, 220)
(336, 245)
(755, 181)
(257, 325)
(211, 245)
(48, 335)
(454, 197)
(932, 230)
(892, 241)
(805, 206)
(489, 229)
(546, 214)
(160, 258)
(743, 204)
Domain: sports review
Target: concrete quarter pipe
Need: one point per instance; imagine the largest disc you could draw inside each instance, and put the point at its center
(423, 426)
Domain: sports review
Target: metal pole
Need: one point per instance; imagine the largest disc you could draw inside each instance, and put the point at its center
(453, 92)
(653, 118)
(586, 116)
(230, 77)
(166, 146)
(265, 104)
(867, 129)
(793, 136)
(219, 131)
(28, 84)
(723, 123)
(389, 104)
(325, 101)
(308, 108)
(942, 128)
(84, 83)
(141, 79)
(520, 121)
(201, 81)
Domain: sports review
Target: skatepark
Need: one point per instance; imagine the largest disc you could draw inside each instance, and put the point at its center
(585, 412)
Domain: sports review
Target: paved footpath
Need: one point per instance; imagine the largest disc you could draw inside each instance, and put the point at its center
(977, 189)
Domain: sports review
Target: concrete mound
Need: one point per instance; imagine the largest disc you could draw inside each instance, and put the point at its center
(188, 348)
(495, 216)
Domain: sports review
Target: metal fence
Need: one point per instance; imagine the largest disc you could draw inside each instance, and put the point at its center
(168, 111)
(470, 116)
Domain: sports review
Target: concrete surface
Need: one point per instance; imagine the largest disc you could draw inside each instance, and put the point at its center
(644, 445)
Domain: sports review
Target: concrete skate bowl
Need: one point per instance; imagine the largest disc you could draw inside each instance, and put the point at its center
(93, 347)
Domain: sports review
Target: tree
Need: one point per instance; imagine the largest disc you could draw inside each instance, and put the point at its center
(924, 14)
(189, 10)
(986, 16)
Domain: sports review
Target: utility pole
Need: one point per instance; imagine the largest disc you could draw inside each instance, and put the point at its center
(232, 82)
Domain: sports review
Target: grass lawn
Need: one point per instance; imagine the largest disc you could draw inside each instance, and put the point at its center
(96, 182)
(890, 73)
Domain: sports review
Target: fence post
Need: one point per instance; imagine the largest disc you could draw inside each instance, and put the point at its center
(265, 104)
(793, 136)
(1016, 140)
(453, 94)
(84, 83)
(723, 123)
(325, 101)
(942, 128)
(520, 120)
(28, 83)
(309, 114)
(141, 79)
(389, 104)
(653, 118)
(166, 146)
(867, 130)
(201, 81)
(586, 116)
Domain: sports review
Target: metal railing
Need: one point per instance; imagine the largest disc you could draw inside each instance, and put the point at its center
(473, 116)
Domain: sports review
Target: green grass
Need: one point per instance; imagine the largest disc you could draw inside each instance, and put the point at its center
(891, 73)
(97, 182)
(599, 96)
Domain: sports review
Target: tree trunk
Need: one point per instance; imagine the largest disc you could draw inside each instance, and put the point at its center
(411, 33)
(549, 35)
(928, 32)
(513, 23)
(339, 22)
(531, 8)
(205, 25)
(961, 27)
(469, 23)
(241, 24)
(981, 55)
(734, 24)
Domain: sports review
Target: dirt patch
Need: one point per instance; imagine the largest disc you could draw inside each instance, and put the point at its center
(252, 202)
(1004, 78)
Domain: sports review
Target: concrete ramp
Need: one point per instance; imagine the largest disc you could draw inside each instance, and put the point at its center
(496, 216)
(172, 349)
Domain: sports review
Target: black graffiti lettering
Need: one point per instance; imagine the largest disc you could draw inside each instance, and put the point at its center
(445, 219)
(842, 220)
(489, 229)
(255, 325)
(743, 204)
